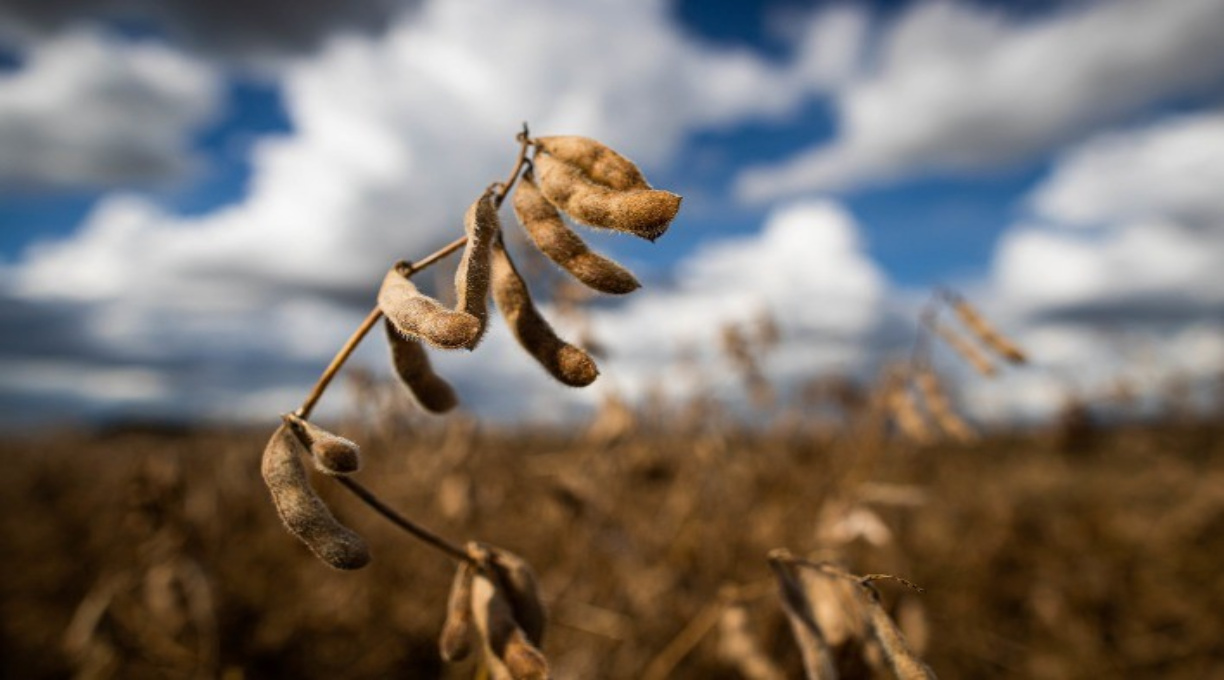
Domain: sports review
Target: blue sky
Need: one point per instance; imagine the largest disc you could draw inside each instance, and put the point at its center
(185, 187)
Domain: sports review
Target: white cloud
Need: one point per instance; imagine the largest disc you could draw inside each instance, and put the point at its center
(392, 137)
(86, 110)
(1124, 256)
(806, 267)
(1169, 169)
(962, 88)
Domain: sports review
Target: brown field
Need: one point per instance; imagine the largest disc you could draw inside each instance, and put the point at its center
(1056, 554)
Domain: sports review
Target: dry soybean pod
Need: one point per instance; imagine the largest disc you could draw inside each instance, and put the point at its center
(988, 334)
(817, 658)
(416, 315)
(940, 408)
(596, 159)
(565, 362)
(472, 277)
(413, 368)
(301, 510)
(905, 412)
(905, 664)
(332, 454)
(455, 643)
(508, 651)
(518, 581)
(543, 224)
(967, 351)
(645, 213)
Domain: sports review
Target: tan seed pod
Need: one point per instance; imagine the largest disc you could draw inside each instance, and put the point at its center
(905, 664)
(472, 277)
(416, 315)
(302, 511)
(508, 652)
(905, 413)
(561, 245)
(413, 368)
(455, 643)
(596, 159)
(940, 408)
(642, 212)
(970, 353)
(564, 361)
(987, 333)
(332, 454)
(519, 584)
(817, 658)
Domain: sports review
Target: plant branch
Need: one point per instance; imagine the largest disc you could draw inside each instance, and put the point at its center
(403, 522)
(406, 269)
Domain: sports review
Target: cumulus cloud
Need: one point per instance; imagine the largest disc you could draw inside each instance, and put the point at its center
(1123, 258)
(392, 137)
(240, 28)
(807, 268)
(956, 87)
(86, 110)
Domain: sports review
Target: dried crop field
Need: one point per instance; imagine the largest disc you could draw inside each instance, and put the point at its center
(1067, 553)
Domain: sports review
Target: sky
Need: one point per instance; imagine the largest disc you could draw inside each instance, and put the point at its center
(199, 199)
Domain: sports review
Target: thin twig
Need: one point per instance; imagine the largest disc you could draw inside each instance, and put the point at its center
(403, 522)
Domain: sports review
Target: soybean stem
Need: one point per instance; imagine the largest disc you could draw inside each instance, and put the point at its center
(403, 522)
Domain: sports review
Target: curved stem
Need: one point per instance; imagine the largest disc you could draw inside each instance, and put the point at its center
(403, 522)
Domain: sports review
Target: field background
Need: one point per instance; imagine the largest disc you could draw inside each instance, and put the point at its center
(1074, 551)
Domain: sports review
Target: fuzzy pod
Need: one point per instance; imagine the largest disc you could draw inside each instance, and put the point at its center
(413, 368)
(518, 582)
(904, 662)
(472, 277)
(817, 657)
(991, 337)
(970, 353)
(301, 510)
(642, 212)
(416, 315)
(332, 454)
(544, 225)
(563, 361)
(596, 159)
(455, 643)
(940, 408)
(508, 651)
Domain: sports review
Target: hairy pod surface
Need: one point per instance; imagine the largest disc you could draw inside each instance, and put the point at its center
(559, 243)
(416, 315)
(332, 454)
(472, 277)
(455, 643)
(987, 333)
(301, 510)
(413, 368)
(563, 361)
(597, 160)
(508, 650)
(518, 582)
(642, 212)
(905, 412)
